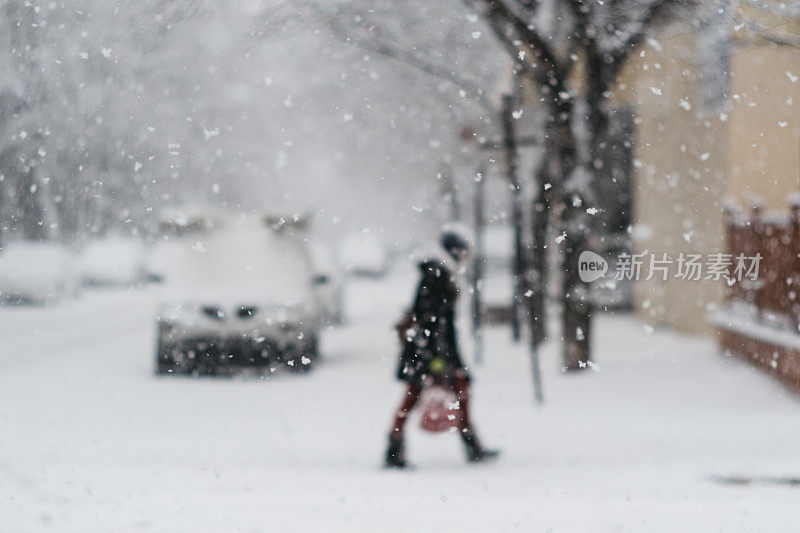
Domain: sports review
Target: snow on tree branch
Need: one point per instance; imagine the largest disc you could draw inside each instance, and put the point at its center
(411, 58)
(781, 9)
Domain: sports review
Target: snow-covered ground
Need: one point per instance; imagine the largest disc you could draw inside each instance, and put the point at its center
(91, 440)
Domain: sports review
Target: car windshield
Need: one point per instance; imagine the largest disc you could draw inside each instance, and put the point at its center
(245, 263)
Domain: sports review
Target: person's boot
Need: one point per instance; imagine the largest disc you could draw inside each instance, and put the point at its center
(475, 452)
(395, 454)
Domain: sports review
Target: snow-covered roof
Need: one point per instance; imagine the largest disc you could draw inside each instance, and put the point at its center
(245, 262)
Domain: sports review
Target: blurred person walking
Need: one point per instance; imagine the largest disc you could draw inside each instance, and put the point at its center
(430, 355)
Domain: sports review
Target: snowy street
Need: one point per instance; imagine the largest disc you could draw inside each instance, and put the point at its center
(91, 440)
(262, 264)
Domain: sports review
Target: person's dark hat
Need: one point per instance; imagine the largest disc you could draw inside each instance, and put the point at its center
(453, 243)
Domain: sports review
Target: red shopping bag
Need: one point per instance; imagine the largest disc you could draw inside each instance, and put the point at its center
(442, 412)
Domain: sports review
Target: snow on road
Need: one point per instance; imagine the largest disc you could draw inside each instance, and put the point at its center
(91, 440)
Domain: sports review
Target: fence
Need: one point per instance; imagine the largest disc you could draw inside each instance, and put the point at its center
(775, 294)
(761, 316)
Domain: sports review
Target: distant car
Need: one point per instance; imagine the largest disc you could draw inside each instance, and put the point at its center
(364, 254)
(238, 297)
(328, 282)
(36, 273)
(113, 262)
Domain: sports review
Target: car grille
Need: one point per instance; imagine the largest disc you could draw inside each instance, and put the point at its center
(242, 312)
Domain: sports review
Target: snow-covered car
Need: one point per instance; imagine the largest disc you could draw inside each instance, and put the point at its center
(240, 296)
(176, 225)
(364, 254)
(328, 283)
(36, 273)
(114, 262)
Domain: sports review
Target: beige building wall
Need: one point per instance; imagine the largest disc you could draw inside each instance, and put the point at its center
(765, 124)
(679, 180)
(689, 162)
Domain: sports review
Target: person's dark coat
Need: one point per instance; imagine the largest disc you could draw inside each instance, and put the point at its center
(431, 348)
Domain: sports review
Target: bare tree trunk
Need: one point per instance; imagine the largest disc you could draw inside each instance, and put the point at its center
(577, 312)
(577, 295)
(576, 308)
(537, 271)
(509, 138)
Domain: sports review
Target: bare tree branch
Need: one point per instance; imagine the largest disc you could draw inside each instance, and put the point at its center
(406, 57)
(535, 58)
(499, 10)
(655, 11)
(781, 9)
(768, 35)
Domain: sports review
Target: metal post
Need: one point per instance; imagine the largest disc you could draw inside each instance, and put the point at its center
(510, 144)
(537, 274)
(533, 346)
(535, 284)
(477, 270)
